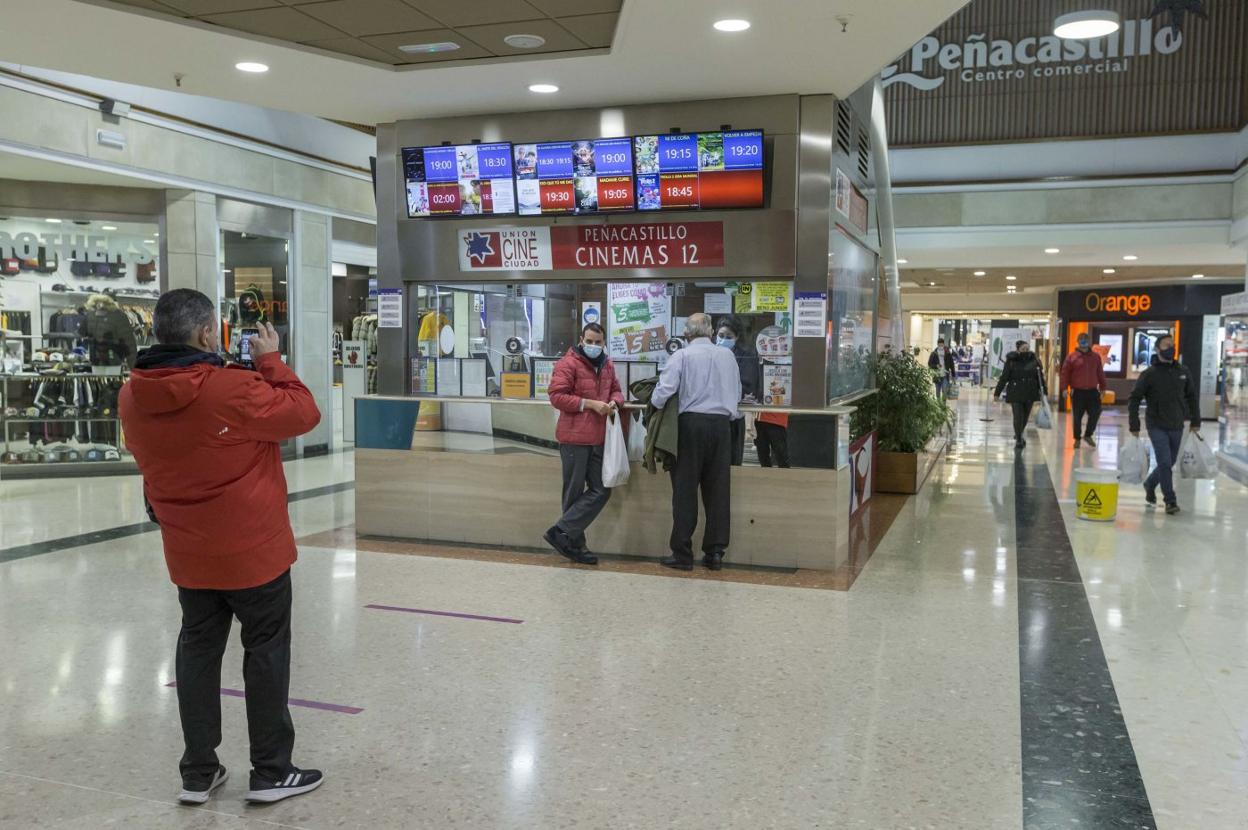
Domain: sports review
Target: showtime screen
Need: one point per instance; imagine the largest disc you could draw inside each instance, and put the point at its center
(459, 180)
(587, 176)
(707, 171)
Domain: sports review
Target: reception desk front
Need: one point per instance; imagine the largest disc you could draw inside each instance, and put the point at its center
(491, 477)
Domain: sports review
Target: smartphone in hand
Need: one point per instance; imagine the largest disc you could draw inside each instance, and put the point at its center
(244, 347)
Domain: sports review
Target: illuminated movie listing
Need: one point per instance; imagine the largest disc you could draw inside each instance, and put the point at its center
(588, 176)
(685, 171)
(459, 180)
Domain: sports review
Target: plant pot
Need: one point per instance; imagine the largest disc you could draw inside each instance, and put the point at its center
(907, 472)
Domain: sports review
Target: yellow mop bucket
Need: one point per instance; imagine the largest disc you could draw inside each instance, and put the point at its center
(1096, 494)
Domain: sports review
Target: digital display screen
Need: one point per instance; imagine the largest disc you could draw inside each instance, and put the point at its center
(707, 171)
(588, 176)
(459, 180)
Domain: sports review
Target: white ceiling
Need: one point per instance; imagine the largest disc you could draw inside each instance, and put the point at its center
(664, 51)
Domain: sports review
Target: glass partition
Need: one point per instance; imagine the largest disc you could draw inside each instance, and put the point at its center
(256, 270)
(851, 315)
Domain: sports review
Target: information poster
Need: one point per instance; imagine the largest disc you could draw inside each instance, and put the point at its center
(1003, 341)
(772, 296)
(639, 318)
(777, 385)
(591, 313)
(424, 376)
(516, 385)
(774, 342)
(843, 188)
(717, 304)
(543, 371)
(862, 472)
(390, 308)
(743, 300)
(810, 314)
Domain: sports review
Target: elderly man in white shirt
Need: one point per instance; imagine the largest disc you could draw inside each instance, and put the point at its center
(708, 382)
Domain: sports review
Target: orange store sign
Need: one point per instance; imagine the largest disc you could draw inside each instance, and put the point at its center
(1130, 304)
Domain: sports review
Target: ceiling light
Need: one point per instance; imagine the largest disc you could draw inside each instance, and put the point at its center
(524, 41)
(1130, 257)
(543, 89)
(426, 48)
(1109, 271)
(903, 262)
(53, 221)
(1052, 250)
(1010, 277)
(1198, 276)
(732, 24)
(251, 66)
(149, 241)
(980, 273)
(1086, 25)
(931, 285)
(108, 227)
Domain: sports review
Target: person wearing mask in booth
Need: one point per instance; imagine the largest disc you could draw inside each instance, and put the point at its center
(1083, 373)
(732, 335)
(707, 382)
(207, 440)
(941, 362)
(585, 390)
(1169, 389)
(1023, 383)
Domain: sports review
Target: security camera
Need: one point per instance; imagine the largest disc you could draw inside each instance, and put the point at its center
(108, 106)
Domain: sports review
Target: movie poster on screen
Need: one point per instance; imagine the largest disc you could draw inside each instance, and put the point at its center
(639, 321)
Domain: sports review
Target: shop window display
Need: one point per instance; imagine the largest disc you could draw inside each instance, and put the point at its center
(256, 270)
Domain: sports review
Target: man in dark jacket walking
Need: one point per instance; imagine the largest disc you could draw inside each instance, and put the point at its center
(1023, 383)
(585, 390)
(1169, 389)
(1083, 373)
(941, 362)
(206, 439)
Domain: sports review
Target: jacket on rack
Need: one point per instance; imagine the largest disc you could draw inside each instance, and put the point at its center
(576, 379)
(108, 332)
(662, 426)
(206, 438)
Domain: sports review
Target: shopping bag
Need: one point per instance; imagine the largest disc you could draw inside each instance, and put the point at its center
(1133, 463)
(1196, 459)
(1044, 416)
(636, 438)
(615, 467)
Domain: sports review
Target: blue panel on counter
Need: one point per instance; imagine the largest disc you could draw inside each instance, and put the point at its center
(385, 424)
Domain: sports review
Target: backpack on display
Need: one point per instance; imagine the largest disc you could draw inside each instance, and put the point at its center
(145, 272)
(10, 266)
(48, 263)
(79, 268)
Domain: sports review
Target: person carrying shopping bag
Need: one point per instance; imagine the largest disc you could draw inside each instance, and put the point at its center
(1022, 381)
(1169, 389)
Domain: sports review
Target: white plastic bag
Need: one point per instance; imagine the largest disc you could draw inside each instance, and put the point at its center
(615, 467)
(636, 438)
(1196, 459)
(1044, 415)
(1133, 466)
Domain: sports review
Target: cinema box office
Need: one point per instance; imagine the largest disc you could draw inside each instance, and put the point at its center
(1124, 323)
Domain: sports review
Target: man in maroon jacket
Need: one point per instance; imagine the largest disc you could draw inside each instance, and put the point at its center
(1084, 374)
(206, 438)
(586, 392)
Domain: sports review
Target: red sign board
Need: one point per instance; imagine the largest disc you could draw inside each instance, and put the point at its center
(639, 245)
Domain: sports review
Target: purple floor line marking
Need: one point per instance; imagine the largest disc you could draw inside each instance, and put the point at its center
(293, 701)
(445, 614)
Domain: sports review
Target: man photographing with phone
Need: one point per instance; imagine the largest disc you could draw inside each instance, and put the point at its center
(206, 437)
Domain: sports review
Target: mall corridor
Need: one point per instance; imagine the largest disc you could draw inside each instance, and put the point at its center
(997, 664)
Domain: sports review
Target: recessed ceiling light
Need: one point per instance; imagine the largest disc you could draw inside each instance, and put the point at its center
(1010, 277)
(1130, 257)
(543, 89)
(1198, 276)
(1109, 271)
(1086, 25)
(1052, 250)
(149, 241)
(524, 41)
(732, 24)
(251, 66)
(980, 273)
(931, 285)
(53, 221)
(426, 48)
(108, 227)
(903, 262)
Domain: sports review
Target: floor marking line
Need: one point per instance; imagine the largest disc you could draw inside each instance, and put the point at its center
(293, 701)
(454, 614)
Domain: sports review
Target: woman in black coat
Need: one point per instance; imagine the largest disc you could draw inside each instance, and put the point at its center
(1023, 383)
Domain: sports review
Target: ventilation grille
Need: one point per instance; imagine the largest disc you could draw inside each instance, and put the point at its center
(844, 118)
(864, 154)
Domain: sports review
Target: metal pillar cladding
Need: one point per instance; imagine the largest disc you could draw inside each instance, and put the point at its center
(815, 186)
(890, 291)
(391, 343)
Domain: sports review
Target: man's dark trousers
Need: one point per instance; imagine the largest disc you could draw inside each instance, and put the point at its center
(583, 493)
(703, 459)
(264, 613)
(1085, 402)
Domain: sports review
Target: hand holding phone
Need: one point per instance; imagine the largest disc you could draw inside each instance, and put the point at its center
(244, 346)
(264, 340)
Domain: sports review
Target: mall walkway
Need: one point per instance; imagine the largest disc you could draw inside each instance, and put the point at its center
(996, 665)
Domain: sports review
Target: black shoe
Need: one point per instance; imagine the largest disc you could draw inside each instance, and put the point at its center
(1090, 441)
(583, 556)
(676, 563)
(713, 561)
(1019, 444)
(559, 540)
(297, 782)
(1077, 443)
(1150, 498)
(197, 791)
(1171, 509)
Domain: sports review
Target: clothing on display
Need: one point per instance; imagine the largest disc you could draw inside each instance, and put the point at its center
(364, 327)
(109, 332)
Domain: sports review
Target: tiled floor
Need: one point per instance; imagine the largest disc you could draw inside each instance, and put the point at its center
(623, 700)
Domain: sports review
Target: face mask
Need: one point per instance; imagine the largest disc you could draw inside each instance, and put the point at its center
(1166, 354)
(727, 342)
(1084, 345)
(592, 352)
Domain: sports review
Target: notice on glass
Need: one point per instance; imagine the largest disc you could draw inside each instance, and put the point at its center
(472, 373)
(777, 385)
(639, 320)
(772, 296)
(810, 314)
(390, 308)
(717, 304)
(543, 371)
(448, 377)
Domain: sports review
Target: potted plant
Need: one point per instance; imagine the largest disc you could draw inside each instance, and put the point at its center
(907, 417)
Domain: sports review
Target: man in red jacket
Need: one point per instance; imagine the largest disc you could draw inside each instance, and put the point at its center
(206, 438)
(586, 392)
(1084, 374)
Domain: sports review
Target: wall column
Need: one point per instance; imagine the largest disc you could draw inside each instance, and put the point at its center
(189, 243)
(310, 315)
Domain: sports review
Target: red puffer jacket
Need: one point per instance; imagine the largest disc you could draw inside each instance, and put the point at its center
(575, 379)
(206, 441)
(1083, 371)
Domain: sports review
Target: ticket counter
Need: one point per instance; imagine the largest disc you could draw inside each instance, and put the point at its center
(492, 477)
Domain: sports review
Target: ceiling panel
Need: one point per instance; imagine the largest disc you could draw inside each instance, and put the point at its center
(198, 7)
(370, 17)
(354, 47)
(963, 281)
(597, 30)
(476, 12)
(491, 37)
(152, 5)
(563, 8)
(391, 43)
(284, 23)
